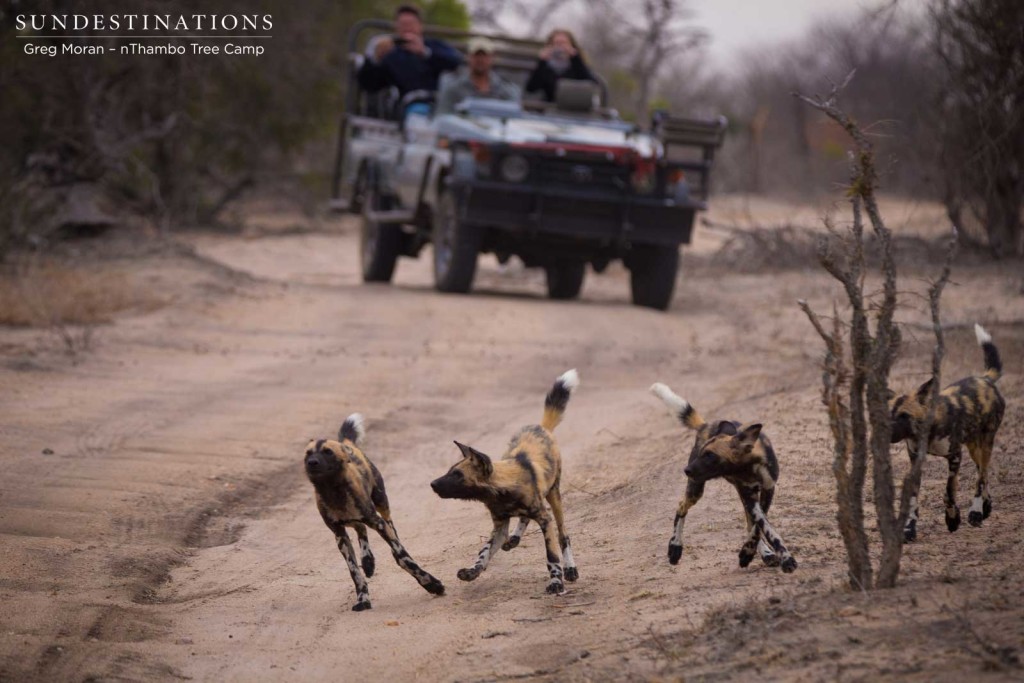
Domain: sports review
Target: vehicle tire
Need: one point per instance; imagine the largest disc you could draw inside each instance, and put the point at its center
(565, 279)
(379, 243)
(653, 275)
(455, 248)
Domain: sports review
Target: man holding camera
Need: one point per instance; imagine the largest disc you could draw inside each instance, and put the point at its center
(407, 60)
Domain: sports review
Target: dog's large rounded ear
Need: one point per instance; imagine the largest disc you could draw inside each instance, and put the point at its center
(747, 437)
(925, 390)
(481, 460)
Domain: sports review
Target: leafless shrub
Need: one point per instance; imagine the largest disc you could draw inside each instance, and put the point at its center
(859, 417)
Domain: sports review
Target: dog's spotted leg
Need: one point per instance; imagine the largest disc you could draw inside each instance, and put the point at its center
(952, 486)
(977, 513)
(910, 527)
(364, 550)
(568, 563)
(487, 552)
(694, 491)
(555, 584)
(517, 534)
(751, 545)
(768, 556)
(362, 589)
(787, 561)
(387, 531)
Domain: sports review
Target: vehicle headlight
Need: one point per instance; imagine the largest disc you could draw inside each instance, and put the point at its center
(515, 168)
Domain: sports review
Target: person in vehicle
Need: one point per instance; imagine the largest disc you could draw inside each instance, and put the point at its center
(560, 58)
(479, 79)
(407, 60)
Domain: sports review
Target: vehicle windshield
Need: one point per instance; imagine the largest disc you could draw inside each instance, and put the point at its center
(479, 108)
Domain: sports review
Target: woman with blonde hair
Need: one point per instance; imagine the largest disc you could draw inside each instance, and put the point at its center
(560, 58)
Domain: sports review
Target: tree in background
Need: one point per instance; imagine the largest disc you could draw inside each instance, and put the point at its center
(979, 119)
(175, 139)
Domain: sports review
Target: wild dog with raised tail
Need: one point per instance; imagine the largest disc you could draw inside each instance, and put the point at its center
(743, 456)
(350, 493)
(968, 413)
(527, 475)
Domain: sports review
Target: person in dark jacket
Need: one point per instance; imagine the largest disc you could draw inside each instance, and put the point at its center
(560, 58)
(407, 60)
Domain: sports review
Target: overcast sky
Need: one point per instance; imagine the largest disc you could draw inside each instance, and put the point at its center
(738, 25)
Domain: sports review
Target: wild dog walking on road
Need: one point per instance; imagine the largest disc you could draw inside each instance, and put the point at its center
(350, 493)
(517, 485)
(968, 413)
(743, 456)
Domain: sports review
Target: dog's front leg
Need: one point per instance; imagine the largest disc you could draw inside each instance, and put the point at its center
(694, 491)
(387, 531)
(487, 552)
(362, 589)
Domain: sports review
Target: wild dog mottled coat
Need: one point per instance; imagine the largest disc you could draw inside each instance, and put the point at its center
(350, 493)
(968, 413)
(743, 456)
(527, 475)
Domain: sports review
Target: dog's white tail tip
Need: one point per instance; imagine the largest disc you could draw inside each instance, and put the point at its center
(983, 336)
(569, 379)
(675, 402)
(355, 421)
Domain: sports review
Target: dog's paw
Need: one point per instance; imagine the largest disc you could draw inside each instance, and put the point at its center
(434, 586)
(975, 518)
(675, 553)
(571, 574)
(771, 560)
(789, 565)
(986, 508)
(910, 533)
(361, 605)
(746, 556)
(468, 573)
(953, 523)
(369, 565)
(556, 587)
(512, 542)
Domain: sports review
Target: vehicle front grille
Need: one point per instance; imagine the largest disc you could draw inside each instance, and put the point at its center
(582, 174)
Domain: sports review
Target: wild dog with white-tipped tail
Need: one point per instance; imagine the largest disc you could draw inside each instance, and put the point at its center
(350, 493)
(517, 485)
(968, 413)
(743, 456)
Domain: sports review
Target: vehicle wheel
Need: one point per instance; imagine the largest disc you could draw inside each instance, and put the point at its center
(379, 243)
(565, 279)
(653, 275)
(455, 248)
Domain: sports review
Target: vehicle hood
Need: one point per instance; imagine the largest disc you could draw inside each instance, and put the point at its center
(541, 131)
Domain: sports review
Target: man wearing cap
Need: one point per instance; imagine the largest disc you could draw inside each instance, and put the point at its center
(477, 80)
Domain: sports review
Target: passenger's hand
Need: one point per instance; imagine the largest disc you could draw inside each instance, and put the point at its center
(382, 48)
(414, 44)
(545, 52)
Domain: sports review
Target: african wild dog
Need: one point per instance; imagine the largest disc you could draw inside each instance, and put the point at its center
(743, 456)
(968, 413)
(350, 493)
(528, 474)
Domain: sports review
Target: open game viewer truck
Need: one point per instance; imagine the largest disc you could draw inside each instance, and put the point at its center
(559, 185)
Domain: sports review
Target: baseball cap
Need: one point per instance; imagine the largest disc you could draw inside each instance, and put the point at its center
(481, 44)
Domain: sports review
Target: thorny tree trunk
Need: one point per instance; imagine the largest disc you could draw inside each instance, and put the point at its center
(872, 359)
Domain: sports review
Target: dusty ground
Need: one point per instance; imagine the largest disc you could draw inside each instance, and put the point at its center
(156, 523)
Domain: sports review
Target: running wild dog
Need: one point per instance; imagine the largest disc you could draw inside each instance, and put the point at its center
(743, 456)
(968, 413)
(517, 485)
(350, 493)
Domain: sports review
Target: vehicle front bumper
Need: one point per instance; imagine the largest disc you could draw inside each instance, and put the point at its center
(605, 218)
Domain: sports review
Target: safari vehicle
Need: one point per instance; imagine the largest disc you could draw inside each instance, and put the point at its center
(559, 185)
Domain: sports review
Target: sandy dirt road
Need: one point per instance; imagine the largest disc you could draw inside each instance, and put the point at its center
(157, 525)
